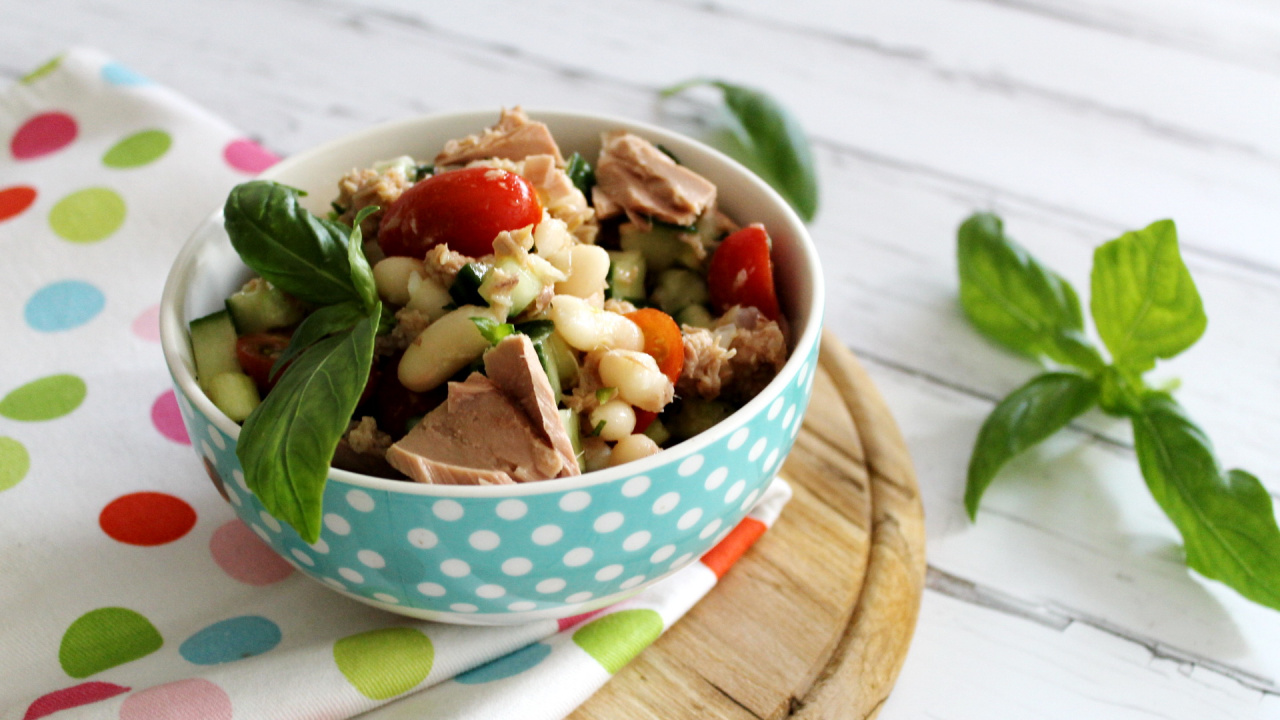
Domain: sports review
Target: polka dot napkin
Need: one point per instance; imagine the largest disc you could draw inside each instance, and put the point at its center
(128, 589)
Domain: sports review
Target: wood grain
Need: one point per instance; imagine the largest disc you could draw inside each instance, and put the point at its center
(815, 621)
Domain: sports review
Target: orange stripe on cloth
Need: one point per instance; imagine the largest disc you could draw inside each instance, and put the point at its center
(722, 557)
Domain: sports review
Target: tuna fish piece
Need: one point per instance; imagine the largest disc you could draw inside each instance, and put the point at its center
(513, 366)
(515, 137)
(635, 177)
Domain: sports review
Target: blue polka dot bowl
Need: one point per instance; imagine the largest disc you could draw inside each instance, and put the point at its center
(510, 554)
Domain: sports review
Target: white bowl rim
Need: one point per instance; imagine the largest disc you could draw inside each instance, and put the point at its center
(173, 327)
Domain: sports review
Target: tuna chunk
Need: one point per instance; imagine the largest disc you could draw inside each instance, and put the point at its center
(479, 436)
(514, 367)
(735, 359)
(635, 177)
(515, 137)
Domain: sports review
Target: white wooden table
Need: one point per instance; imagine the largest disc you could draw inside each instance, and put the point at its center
(1074, 120)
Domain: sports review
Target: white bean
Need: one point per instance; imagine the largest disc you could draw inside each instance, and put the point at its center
(588, 328)
(638, 379)
(444, 348)
(428, 296)
(617, 417)
(633, 447)
(392, 278)
(588, 271)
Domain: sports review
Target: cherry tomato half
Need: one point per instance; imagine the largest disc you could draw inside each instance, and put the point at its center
(662, 340)
(464, 208)
(741, 273)
(257, 352)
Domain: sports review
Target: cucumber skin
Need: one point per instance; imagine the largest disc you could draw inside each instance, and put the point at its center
(234, 393)
(627, 275)
(260, 306)
(213, 346)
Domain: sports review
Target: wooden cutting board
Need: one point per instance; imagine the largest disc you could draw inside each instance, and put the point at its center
(815, 620)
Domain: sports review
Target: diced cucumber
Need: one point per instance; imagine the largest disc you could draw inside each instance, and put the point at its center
(574, 428)
(657, 432)
(465, 289)
(566, 361)
(527, 286)
(678, 288)
(626, 275)
(696, 415)
(213, 346)
(260, 306)
(660, 245)
(234, 393)
(696, 316)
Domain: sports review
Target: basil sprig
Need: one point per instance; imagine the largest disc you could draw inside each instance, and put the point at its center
(287, 442)
(1146, 307)
(774, 143)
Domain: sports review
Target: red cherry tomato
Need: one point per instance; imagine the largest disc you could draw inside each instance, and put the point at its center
(464, 209)
(741, 273)
(257, 352)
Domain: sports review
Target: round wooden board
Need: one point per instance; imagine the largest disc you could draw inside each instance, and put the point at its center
(815, 620)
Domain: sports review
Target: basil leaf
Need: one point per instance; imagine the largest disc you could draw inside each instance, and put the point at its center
(774, 138)
(1027, 416)
(1144, 301)
(288, 441)
(296, 251)
(325, 321)
(1015, 300)
(361, 273)
(1226, 521)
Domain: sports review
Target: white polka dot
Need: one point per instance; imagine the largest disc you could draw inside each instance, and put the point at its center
(550, 585)
(666, 503)
(239, 478)
(337, 524)
(233, 496)
(334, 583)
(631, 582)
(491, 592)
(735, 490)
(682, 560)
(390, 599)
(608, 572)
(303, 558)
(691, 465)
(723, 534)
(662, 553)
(772, 460)
(454, 567)
(608, 522)
(689, 519)
(801, 375)
(775, 408)
(484, 540)
(512, 509)
(320, 546)
(423, 538)
(578, 597)
(547, 534)
(217, 438)
(517, 566)
(351, 575)
(710, 529)
(360, 500)
(522, 606)
(789, 417)
(269, 521)
(372, 559)
(578, 556)
(463, 607)
(635, 486)
(758, 449)
(795, 429)
(261, 533)
(751, 499)
(575, 501)
(431, 589)
(447, 509)
(208, 451)
(738, 438)
(716, 478)
(636, 540)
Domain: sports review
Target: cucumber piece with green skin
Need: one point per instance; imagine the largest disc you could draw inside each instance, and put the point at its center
(260, 306)
(465, 289)
(696, 316)
(660, 246)
(657, 432)
(626, 275)
(213, 346)
(678, 288)
(695, 416)
(234, 393)
(573, 427)
(525, 291)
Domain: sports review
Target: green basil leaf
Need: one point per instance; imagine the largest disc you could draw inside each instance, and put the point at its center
(1227, 522)
(320, 324)
(361, 273)
(296, 251)
(1015, 300)
(1027, 416)
(288, 441)
(777, 143)
(1144, 301)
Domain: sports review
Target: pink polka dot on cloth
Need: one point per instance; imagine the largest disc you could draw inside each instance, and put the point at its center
(43, 134)
(191, 699)
(248, 156)
(168, 419)
(147, 324)
(242, 555)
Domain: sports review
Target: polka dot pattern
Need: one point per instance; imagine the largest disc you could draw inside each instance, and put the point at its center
(191, 699)
(63, 305)
(230, 640)
(248, 157)
(72, 697)
(147, 518)
(42, 135)
(140, 148)
(88, 215)
(14, 200)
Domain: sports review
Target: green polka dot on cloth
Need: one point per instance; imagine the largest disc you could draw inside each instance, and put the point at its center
(104, 638)
(44, 399)
(138, 149)
(615, 639)
(88, 215)
(45, 69)
(14, 462)
(384, 663)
